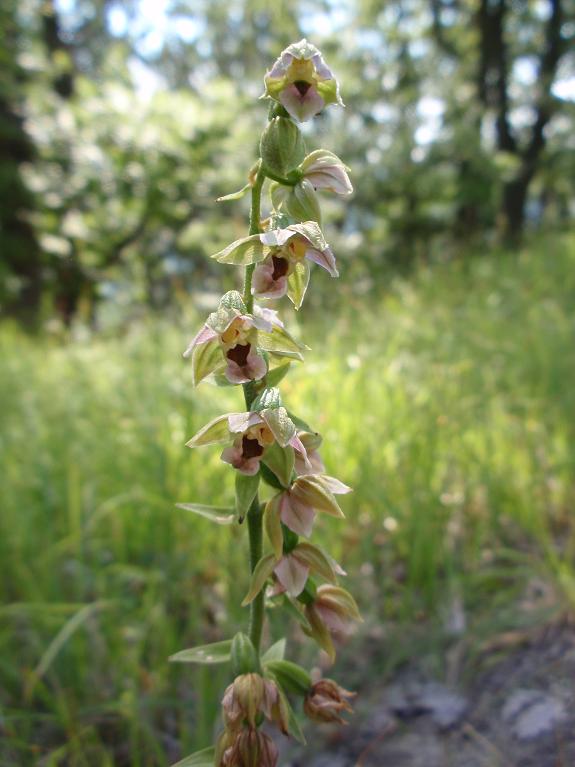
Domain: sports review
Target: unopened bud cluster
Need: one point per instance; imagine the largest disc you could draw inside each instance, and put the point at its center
(245, 343)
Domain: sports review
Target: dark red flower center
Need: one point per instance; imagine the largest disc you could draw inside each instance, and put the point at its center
(239, 354)
(281, 266)
(302, 87)
(251, 448)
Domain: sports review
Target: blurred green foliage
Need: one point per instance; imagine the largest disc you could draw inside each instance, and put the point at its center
(130, 118)
(447, 409)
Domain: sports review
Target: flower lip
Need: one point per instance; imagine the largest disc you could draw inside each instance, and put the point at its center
(302, 86)
(239, 354)
(251, 448)
(281, 267)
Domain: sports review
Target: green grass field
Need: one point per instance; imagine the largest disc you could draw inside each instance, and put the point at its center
(449, 405)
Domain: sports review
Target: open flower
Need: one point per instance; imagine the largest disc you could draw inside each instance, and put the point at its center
(252, 434)
(286, 269)
(312, 441)
(230, 338)
(333, 612)
(326, 171)
(291, 570)
(296, 506)
(302, 82)
(282, 258)
(326, 700)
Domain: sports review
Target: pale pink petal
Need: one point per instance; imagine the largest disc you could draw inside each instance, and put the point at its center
(333, 620)
(264, 285)
(298, 445)
(280, 66)
(296, 515)
(254, 369)
(266, 319)
(336, 487)
(301, 107)
(233, 455)
(324, 258)
(276, 238)
(332, 178)
(314, 460)
(292, 574)
(240, 422)
(205, 334)
(321, 67)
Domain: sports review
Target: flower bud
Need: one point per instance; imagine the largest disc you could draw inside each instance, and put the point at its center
(326, 700)
(251, 748)
(243, 700)
(332, 612)
(282, 147)
(300, 202)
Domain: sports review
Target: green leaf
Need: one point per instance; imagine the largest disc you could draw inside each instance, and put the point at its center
(273, 377)
(246, 489)
(280, 423)
(245, 659)
(293, 678)
(221, 515)
(206, 655)
(247, 250)
(205, 359)
(281, 461)
(213, 433)
(268, 398)
(203, 758)
(262, 572)
(273, 526)
(298, 282)
(275, 652)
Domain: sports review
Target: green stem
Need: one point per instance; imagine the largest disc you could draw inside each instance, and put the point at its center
(254, 229)
(285, 181)
(254, 516)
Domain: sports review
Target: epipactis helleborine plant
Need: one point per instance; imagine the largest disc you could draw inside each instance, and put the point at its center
(243, 343)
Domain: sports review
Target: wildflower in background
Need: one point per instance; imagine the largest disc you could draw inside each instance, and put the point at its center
(326, 700)
(302, 82)
(251, 434)
(230, 337)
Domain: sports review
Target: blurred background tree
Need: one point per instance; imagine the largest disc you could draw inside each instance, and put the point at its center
(118, 123)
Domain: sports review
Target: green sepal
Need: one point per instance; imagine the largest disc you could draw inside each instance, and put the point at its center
(298, 282)
(294, 728)
(318, 562)
(246, 489)
(273, 527)
(275, 652)
(267, 399)
(261, 573)
(242, 252)
(244, 657)
(290, 676)
(280, 424)
(206, 358)
(221, 515)
(267, 474)
(280, 341)
(231, 306)
(204, 758)
(213, 433)
(280, 461)
(206, 655)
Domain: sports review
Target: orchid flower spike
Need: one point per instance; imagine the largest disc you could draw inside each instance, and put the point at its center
(302, 82)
